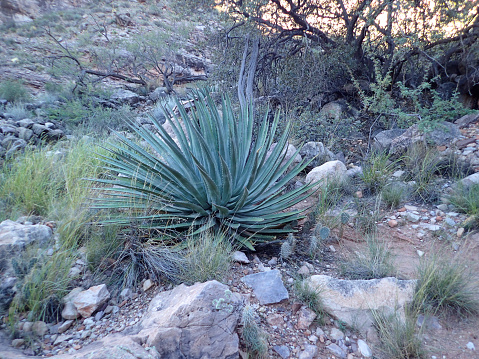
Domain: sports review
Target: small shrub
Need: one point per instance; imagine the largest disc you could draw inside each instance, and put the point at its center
(446, 286)
(393, 194)
(375, 261)
(422, 164)
(397, 336)
(13, 91)
(377, 170)
(311, 298)
(17, 111)
(465, 199)
(208, 257)
(42, 289)
(254, 339)
(368, 215)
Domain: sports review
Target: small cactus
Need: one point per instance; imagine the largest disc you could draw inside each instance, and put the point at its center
(324, 233)
(286, 250)
(313, 245)
(344, 218)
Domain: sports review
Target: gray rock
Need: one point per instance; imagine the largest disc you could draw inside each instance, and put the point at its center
(16, 146)
(14, 236)
(40, 328)
(290, 151)
(183, 323)
(317, 152)
(352, 300)
(336, 350)
(465, 120)
(336, 334)
(158, 93)
(411, 217)
(309, 352)
(443, 134)
(240, 257)
(332, 170)
(65, 326)
(364, 349)
(282, 350)
(306, 317)
(267, 286)
(430, 322)
(7, 292)
(125, 97)
(469, 181)
(471, 346)
(25, 134)
(382, 141)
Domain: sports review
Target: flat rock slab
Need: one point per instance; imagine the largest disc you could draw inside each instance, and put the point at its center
(352, 300)
(267, 286)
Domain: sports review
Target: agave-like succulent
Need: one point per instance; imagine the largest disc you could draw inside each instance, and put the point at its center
(213, 175)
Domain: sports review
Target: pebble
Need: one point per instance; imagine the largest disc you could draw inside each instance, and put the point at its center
(240, 257)
(420, 253)
(460, 232)
(470, 346)
(332, 249)
(392, 223)
(336, 334)
(450, 221)
(17, 343)
(364, 349)
(273, 261)
(410, 208)
(65, 326)
(147, 285)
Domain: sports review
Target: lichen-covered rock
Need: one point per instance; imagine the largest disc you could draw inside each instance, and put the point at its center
(184, 323)
(352, 300)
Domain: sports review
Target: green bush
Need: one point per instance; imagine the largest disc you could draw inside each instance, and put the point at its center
(398, 337)
(311, 298)
(216, 177)
(13, 91)
(208, 257)
(375, 261)
(465, 199)
(446, 286)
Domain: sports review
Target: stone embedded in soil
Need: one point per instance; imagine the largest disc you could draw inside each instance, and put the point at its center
(336, 334)
(352, 300)
(364, 349)
(336, 350)
(460, 232)
(392, 223)
(275, 320)
(282, 350)
(470, 346)
(430, 322)
(40, 328)
(65, 326)
(17, 343)
(147, 284)
(240, 257)
(309, 352)
(267, 286)
(305, 318)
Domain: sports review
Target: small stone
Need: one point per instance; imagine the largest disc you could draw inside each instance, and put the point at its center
(275, 320)
(336, 334)
(364, 349)
(313, 338)
(108, 309)
(359, 194)
(402, 209)
(412, 217)
(392, 223)
(147, 284)
(65, 326)
(306, 318)
(460, 232)
(470, 346)
(27, 326)
(273, 261)
(398, 173)
(74, 272)
(267, 286)
(309, 352)
(450, 221)
(420, 253)
(282, 351)
(434, 227)
(99, 315)
(304, 270)
(336, 350)
(332, 249)
(442, 207)
(410, 208)
(240, 257)
(17, 343)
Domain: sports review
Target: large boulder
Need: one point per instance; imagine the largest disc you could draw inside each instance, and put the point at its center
(186, 323)
(317, 152)
(332, 170)
(352, 300)
(382, 141)
(441, 135)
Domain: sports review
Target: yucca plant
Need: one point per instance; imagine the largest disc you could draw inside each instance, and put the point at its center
(214, 175)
